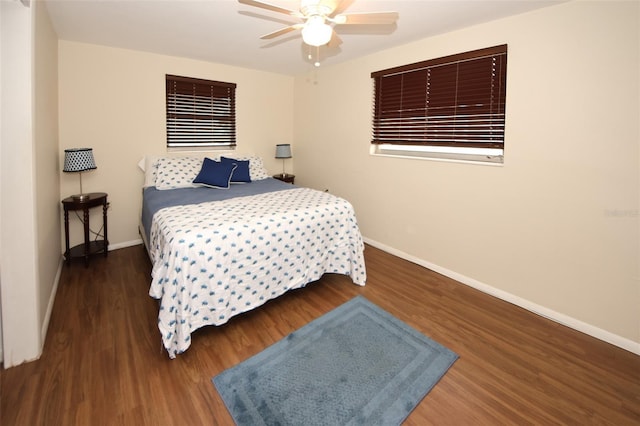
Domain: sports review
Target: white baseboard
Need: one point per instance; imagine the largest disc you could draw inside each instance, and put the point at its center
(52, 299)
(125, 244)
(558, 317)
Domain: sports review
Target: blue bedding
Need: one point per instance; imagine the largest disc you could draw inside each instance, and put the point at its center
(154, 199)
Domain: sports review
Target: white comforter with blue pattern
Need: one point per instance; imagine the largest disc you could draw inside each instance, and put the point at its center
(217, 259)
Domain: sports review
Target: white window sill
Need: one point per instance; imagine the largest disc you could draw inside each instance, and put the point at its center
(478, 156)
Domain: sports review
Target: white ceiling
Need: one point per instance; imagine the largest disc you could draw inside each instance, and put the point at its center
(224, 31)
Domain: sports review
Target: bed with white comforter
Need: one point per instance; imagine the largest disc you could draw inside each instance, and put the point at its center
(213, 259)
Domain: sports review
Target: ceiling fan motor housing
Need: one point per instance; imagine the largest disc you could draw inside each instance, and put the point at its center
(313, 8)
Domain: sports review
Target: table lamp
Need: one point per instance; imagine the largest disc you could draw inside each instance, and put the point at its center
(79, 160)
(283, 151)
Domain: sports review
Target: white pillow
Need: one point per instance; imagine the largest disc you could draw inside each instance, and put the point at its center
(149, 165)
(177, 172)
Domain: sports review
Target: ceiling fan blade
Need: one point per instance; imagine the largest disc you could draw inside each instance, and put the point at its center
(282, 31)
(268, 6)
(329, 5)
(370, 18)
(342, 5)
(275, 18)
(335, 40)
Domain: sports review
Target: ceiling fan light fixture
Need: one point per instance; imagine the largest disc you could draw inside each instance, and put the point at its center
(316, 32)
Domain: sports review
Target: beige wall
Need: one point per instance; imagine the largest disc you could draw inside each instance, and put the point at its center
(556, 228)
(113, 100)
(47, 167)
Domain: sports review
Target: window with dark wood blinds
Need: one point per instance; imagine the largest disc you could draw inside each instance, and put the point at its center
(458, 101)
(200, 113)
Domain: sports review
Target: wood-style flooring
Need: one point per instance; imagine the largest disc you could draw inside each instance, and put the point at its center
(103, 363)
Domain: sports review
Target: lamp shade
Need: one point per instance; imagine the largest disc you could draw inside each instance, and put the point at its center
(283, 150)
(78, 160)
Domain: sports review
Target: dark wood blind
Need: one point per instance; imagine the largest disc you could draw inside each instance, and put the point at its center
(200, 112)
(458, 100)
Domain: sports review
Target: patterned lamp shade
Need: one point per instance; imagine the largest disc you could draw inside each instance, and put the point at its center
(78, 160)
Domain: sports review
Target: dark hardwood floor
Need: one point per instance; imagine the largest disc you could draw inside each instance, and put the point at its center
(103, 362)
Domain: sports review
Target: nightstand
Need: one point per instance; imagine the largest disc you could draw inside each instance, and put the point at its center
(285, 177)
(88, 248)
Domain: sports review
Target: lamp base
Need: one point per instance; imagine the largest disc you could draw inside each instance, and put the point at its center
(81, 197)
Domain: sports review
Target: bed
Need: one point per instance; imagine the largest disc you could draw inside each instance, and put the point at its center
(221, 250)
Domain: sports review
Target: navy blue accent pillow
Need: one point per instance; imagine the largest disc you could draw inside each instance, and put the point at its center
(215, 174)
(241, 173)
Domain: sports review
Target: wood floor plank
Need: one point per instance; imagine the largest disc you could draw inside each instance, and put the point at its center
(103, 362)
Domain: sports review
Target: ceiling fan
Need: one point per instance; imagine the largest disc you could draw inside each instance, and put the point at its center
(317, 15)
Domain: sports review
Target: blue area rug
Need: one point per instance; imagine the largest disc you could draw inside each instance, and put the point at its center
(356, 365)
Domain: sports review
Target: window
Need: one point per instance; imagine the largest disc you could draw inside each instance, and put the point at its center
(200, 113)
(451, 107)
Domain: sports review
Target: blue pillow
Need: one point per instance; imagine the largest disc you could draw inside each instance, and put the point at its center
(241, 173)
(215, 174)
